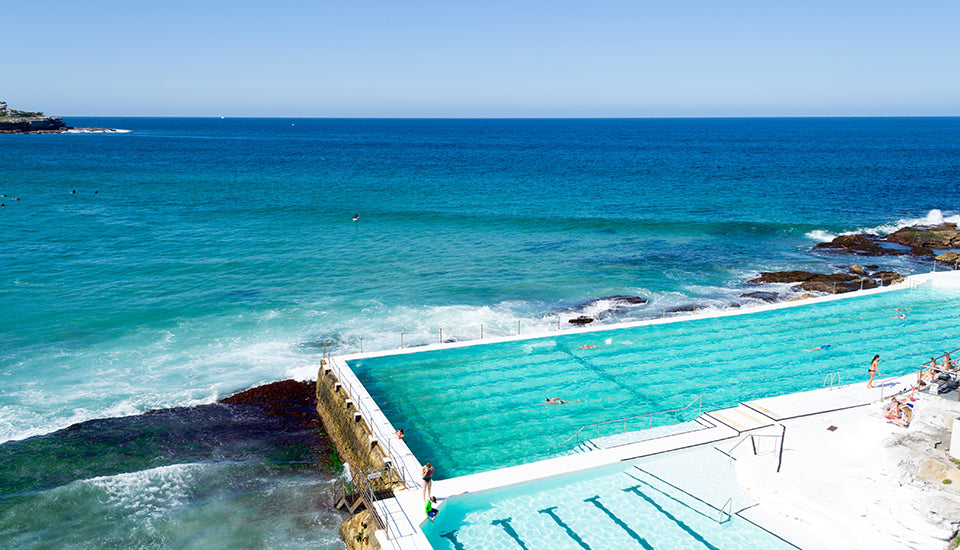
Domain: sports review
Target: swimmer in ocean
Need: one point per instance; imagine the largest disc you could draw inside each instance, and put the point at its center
(356, 217)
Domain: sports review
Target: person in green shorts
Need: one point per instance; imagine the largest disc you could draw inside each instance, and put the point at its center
(430, 509)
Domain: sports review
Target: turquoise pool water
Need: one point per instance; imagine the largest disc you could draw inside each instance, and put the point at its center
(631, 505)
(479, 408)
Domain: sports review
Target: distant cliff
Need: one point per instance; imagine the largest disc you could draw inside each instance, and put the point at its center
(13, 121)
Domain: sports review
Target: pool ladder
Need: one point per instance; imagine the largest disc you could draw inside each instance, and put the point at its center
(725, 515)
(829, 379)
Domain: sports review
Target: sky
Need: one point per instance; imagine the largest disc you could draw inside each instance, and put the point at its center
(490, 58)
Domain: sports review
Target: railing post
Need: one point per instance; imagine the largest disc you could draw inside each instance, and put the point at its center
(361, 344)
(401, 340)
(441, 335)
(518, 327)
(783, 435)
(481, 331)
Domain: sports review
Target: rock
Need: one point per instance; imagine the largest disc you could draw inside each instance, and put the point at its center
(887, 277)
(940, 237)
(857, 270)
(803, 297)
(600, 308)
(834, 283)
(948, 257)
(761, 296)
(782, 277)
(686, 308)
(581, 320)
(854, 244)
(31, 125)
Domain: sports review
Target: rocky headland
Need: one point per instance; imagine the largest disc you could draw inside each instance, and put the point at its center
(13, 121)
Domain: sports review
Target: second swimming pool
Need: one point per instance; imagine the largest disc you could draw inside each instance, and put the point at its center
(479, 408)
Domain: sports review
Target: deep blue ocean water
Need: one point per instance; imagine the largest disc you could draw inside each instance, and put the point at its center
(188, 259)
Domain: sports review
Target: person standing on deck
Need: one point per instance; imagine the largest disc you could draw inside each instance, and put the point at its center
(874, 370)
(427, 474)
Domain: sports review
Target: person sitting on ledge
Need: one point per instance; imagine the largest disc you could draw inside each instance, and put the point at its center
(399, 433)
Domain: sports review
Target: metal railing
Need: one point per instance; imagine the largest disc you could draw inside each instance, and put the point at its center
(467, 333)
(724, 512)
(829, 379)
(598, 425)
(753, 442)
(926, 365)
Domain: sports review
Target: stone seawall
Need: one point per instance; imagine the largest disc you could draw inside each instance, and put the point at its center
(345, 425)
(352, 436)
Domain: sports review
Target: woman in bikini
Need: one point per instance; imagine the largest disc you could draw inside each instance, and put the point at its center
(427, 474)
(874, 370)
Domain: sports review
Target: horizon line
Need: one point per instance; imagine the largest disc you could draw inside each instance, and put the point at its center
(466, 117)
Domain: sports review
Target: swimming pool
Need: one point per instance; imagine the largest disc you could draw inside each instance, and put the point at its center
(646, 503)
(478, 408)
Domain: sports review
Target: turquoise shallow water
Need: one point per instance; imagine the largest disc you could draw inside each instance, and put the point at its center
(192, 258)
(620, 506)
(481, 407)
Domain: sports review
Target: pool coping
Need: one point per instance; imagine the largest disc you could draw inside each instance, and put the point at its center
(408, 503)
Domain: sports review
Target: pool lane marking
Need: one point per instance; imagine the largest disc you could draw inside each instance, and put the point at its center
(505, 524)
(595, 500)
(686, 528)
(570, 532)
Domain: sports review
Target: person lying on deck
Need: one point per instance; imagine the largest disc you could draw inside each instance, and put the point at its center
(904, 418)
(892, 410)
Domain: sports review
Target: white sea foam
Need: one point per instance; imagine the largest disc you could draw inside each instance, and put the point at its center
(821, 236)
(149, 494)
(96, 131)
(933, 217)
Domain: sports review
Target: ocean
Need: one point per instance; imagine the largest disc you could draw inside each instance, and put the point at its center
(184, 260)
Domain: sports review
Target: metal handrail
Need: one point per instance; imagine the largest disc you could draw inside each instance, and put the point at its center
(724, 512)
(832, 377)
(624, 420)
(362, 484)
(753, 442)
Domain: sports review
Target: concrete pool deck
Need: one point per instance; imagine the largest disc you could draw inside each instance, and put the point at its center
(837, 406)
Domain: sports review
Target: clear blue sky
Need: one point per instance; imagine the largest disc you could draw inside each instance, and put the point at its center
(480, 59)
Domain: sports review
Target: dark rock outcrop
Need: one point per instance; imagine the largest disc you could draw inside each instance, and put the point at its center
(854, 244)
(828, 283)
(761, 296)
(31, 125)
(915, 240)
(581, 320)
